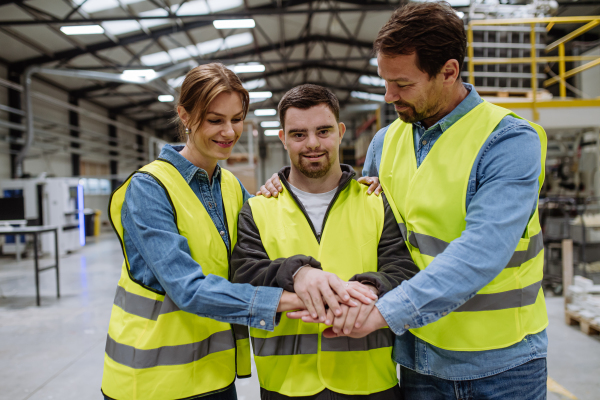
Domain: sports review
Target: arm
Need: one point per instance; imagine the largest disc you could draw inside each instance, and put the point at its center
(506, 191)
(394, 264)
(150, 225)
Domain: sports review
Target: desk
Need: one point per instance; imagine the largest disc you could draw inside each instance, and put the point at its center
(35, 231)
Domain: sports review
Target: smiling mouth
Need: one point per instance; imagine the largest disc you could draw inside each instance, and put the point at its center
(224, 144)
(313, 157)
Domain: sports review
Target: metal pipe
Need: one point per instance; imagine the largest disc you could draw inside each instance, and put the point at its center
(95, 75)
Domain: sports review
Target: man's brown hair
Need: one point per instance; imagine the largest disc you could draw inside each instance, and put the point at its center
(201, 86)
(307, 96)
(431, 30)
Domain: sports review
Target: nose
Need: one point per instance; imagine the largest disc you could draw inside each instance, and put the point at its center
(228, 129)
(391, 94)
(313, 141)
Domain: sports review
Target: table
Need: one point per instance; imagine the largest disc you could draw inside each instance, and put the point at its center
(35, 232)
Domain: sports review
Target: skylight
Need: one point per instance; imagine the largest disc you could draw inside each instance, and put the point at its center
(211, 46)
(371, 80)
(368, 96)
(254, 84)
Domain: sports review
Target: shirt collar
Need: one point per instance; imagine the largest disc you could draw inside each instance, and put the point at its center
(186, 169)
(470, 102)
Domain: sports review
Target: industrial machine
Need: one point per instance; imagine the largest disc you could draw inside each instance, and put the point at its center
(45, 201)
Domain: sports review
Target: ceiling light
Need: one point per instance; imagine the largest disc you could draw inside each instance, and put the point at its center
(270, 124)
(373, 62)
(254, 84)
(165, 98)
(176, 82)
(260, 95)
(233, 23)
(460, 14)
(159, 58)
(142, 73)
(271, 132)
(82, 30)
(368, 96)
(247, 68)
(371, 80)
(265, 112)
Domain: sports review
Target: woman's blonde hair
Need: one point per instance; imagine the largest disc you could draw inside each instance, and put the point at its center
(200, 87)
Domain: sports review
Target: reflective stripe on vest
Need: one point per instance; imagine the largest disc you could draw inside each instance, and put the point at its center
(154, 350)
(429, 205)
(295, 359)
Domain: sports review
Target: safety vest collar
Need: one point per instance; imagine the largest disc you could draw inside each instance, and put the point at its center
(347, 176)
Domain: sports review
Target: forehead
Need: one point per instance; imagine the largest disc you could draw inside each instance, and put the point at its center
(226, 101)
(399, 67)
(318, 115)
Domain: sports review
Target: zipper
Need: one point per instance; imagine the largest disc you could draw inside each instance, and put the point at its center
(331, 204)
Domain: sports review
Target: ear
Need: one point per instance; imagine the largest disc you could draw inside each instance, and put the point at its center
(183, 115)
(282, 138)
(342, 128)
(450, 72)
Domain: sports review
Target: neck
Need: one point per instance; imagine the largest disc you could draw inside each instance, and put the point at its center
(193, 156)
(316, 185)
(449, 102)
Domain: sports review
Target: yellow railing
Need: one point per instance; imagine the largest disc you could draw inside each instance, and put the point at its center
(590, 23)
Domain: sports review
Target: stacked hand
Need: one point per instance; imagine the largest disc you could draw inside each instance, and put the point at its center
(317, 288)
(355, 322)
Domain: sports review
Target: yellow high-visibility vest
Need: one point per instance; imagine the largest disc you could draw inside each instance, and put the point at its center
(429, 205)
(295, 359)
(154, 350)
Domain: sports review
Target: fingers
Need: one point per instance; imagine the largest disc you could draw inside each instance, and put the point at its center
(339, 287)
(307, 299)
(263, 192)
(362, 293)
(271, 189)
(378, 190)
(351, 319)
(317, 301)
(338, 322)
(276, 183)
(329, 333)
(363, 315)
(298, 314)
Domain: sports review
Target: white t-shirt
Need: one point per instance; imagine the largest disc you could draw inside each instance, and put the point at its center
(315, 205)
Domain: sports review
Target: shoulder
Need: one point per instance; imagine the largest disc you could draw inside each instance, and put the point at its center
(514, 135)
(145, 188)
(379, 137)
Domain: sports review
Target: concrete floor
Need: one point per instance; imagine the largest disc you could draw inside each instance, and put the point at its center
(56, 351)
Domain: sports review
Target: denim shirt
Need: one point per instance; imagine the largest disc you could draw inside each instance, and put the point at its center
(501, 197)
(160, 257)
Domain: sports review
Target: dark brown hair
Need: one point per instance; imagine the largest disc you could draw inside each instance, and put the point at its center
(200, 87)
(307, 96)
(431, 30)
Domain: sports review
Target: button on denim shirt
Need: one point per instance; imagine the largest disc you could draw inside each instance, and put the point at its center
(160, 257)
(501, 197)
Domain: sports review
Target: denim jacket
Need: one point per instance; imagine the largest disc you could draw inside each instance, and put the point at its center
(501, 197)
(160, 257)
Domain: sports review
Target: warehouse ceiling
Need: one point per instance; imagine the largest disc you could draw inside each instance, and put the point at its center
(298, 41)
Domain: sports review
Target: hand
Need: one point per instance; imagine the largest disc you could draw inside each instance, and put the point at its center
(373, 182)
(271, 187)
(374, 321)
(351, 317)
(314, 285)
(290, 301)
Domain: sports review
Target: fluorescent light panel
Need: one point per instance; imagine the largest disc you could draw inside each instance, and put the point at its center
(271, 132)
(233, 23)
(270, 124)
(254, 84)
(247, 68)
(165, 98)
(82, 30)
(368, 96)
(261, 95)
(373, 62)
(371, 80)
(265, 112)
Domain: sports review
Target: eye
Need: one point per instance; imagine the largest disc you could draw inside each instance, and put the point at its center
(324, 132)
(214, 121)
(298, 135)
(236, 120)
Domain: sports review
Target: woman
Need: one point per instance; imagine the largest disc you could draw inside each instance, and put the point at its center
(170, 335)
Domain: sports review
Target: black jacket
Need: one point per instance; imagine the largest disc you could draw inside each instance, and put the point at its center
(251, 264)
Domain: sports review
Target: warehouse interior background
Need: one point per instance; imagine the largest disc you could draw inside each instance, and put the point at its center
(87, 95)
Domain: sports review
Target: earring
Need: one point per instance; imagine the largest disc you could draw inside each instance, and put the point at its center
(187, 130)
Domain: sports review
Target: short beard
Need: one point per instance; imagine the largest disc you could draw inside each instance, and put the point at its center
(414, 116)
(312, 173)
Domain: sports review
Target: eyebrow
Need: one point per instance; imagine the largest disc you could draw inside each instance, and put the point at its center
(304, 130)
(222, 115)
